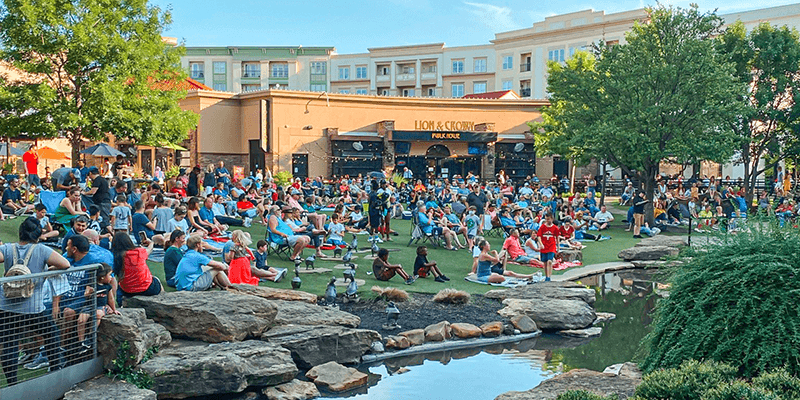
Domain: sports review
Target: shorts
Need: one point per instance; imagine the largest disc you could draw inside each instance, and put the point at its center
(375, 220)
(498, 269)
(484, 278)
(545, 257)
(437, 230)
(77, 304)
(336, 242)
(203, 282)
(523, 260)
(423, 272)
(291, 240)
(385, 274)
(470, 236)
(152, 290)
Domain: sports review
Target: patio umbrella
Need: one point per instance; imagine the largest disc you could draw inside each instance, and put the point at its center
(377, 174)
(50, 153)
(15, 151)
(102, 150)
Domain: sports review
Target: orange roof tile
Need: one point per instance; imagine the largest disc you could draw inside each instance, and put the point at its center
(492, 95)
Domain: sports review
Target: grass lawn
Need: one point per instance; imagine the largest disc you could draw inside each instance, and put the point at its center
(454, 264)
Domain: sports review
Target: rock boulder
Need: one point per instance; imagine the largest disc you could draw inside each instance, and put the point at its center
(648, 253)
(397, 342)
(294, 390)
(437, 332)
(570, 255)
(663, 240)
(582, 333)
(465, 331)
(216, 316)
(336, 377)
(103, 388)
(313, 345)
(578, 379)
(492, 329)
(415, 337)
(188, 369)
(546, 290)
(298, 313)
(130, 326)
(524, 323)
(269, 293)
(551, 314)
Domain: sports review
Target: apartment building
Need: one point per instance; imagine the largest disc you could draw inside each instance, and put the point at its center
(514, 60)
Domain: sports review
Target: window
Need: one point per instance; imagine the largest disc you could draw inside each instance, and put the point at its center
(431, 92)
(279, 70)
(250, 87)
(480, 65)
(507, 85)
(408, 92)
(361, 91)
(344, 73)
(556, 55)
(344, 91)
(508, 62)
(383, 70)
(429, 68)
(458, 67)
(318, 67)
(361, 72)
(458, 90)
(219, 67)
(196, 70)
(251, 70)
(220, 87)
(479, 87)
(384, 92)
(319, 88)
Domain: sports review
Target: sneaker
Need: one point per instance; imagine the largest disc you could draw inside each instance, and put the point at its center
(86, 345)
(596, 238)
(378, 240)
(281, 275)
(637, 236)
(547, 279)
(25, 357)
(19, 211)
(62, 361)
(446, 279)
(410, 280)
(439, 279)
(248, 222)
(39, 362)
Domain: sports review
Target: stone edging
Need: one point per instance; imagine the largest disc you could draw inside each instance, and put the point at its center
(447, 345)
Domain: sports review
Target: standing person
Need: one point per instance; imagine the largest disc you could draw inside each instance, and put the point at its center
(408, 174)
(375, 214)
(19, 315)
(223, 175)
(209, 181)
(31, 160)
(548, 243)
(193, 188)
(638, 214)
(130, 268)
(478, 200)
(121, 216)
(99, 192)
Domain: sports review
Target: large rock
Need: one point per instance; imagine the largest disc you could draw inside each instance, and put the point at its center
(313, 345)
(628, 370)
(271, 293)
(546, 291)
(130, 326)
(415, 337)
(293, 312)
(216, 316)
(570, 255)
(294, 390)
(437, 332)
(397, 342)
(524, 323)
(582, 333)
(551, 314)
(465, 331)
(492, 329)
(188, 369)
(578, 379)
(336, 377)
(103, 388)
(648, 253)
(664, 240)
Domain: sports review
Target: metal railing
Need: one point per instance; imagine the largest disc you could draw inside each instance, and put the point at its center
(525, 67)
(46, 353)
(525, 92)
(251, 73)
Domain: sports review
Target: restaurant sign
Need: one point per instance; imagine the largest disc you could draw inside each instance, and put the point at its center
(428, 136)
(444, 125)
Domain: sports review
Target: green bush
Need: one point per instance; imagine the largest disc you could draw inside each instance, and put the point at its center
(282, 178)
(780, 381)
(581, 395)
(735, 302)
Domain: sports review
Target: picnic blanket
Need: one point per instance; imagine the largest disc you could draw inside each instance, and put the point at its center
(509, 282)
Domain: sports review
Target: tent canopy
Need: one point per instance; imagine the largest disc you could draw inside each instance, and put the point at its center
(102, 150)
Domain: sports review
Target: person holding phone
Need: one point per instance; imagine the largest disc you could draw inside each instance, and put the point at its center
(143, 227)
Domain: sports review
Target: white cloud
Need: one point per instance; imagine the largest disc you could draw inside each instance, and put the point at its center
(494, 17)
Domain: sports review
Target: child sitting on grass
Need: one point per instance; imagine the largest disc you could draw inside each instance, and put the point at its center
(422, 266)
(384, 271)
(273, 274)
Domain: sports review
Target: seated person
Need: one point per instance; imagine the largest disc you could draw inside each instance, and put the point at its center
(336, 232)
(260, 262)
(79, 224)
(161, 215)
(422, 266)
(451, 221)
(515, 251)
(295, 222)
(567, 236)
(246, 209)
(12, 199)
(179, 190)
(280, 232)
(492, 266)
(239, 257)
(356, 218)
(223, 210)
(143, 226)
(196, 272)
(207, 220)
(426, 222)
(602, 218)
(48, 233)
(70, 207)
(384, 271)
(178, 221)
(173, 255)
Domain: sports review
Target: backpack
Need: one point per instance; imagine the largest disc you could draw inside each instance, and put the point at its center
(20, 288)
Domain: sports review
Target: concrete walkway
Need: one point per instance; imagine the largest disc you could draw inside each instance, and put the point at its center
(578, 273)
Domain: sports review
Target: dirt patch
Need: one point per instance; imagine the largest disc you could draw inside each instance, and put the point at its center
(420, 311)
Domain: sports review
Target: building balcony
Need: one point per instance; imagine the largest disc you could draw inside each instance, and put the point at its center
(525, 92)
(406, 77)
(428, 75)
(197, 75)
(525, 67)
(383, 78)
(251, 74)
(319, 77)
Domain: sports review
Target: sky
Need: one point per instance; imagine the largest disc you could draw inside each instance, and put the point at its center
(354, 26)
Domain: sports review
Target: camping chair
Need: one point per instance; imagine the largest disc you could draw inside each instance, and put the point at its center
(278, 248)
(418, 236)
(51, 200)
(496, 230)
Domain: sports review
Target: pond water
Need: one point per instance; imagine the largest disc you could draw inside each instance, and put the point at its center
(488, 372)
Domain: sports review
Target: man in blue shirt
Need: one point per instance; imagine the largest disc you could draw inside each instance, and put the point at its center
(84, 170)
(196, 272)
(140, 223)
(207, 219)
(222, 174)
(12, 199)
(79, 224)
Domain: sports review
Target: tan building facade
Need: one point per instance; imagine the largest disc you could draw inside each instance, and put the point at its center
(312, 134)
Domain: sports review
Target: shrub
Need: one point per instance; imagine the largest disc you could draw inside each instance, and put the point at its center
(581, 395)
(689, 382)
(390, 293)
(124, 367)
(282, 178)
(451, 296)
(735, 302)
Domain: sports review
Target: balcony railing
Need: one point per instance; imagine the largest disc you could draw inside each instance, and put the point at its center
(525, 92)
(406, 77)
(197, 75)
(525, 67)
(251, 74)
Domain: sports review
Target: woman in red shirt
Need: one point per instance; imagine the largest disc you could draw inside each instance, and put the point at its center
(130, 267)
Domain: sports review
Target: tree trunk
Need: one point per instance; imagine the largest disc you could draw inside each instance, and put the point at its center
(75, 141)
(649, 176)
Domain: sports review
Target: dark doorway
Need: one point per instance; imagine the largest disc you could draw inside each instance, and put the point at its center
(300, 166)
(561, 167)
(450, 167)
(438, 151)
(257, 156)
(147, 161)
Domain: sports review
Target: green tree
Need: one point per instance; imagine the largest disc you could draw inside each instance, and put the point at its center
(666, 94)
(102, 67)
(767, 61)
